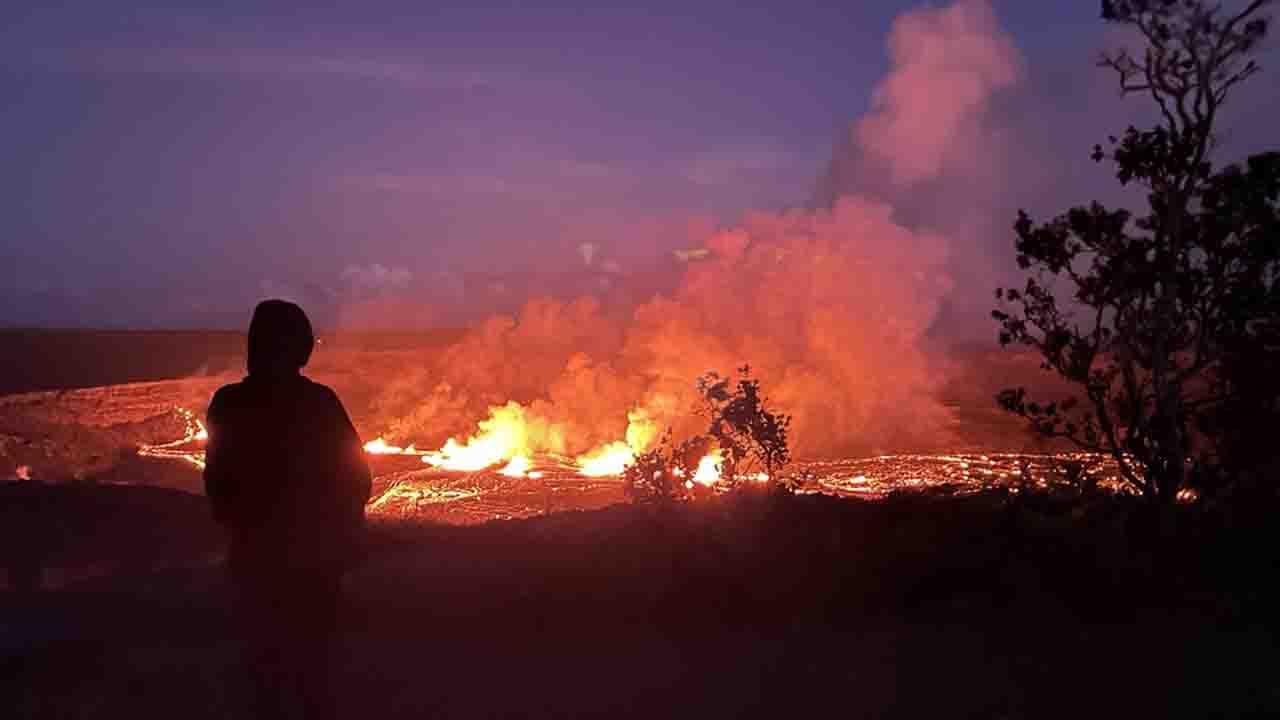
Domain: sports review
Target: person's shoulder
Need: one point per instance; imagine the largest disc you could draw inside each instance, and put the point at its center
(227, 394)
(320, 391)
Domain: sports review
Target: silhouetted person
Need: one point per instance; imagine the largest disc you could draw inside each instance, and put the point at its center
(287, 478)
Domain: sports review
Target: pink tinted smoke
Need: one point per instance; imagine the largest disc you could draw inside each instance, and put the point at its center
(830, 307)
(947, 64)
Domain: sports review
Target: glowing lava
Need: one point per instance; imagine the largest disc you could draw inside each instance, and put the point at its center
(379, 446)
(708, 472)
(505, 442)
(611, 459)
(512, 440)
(518, 466)
(195, 432)
(508, 433)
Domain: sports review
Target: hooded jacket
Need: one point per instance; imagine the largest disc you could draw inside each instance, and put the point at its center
(285, 471)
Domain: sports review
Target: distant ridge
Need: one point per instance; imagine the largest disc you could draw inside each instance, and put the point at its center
(35, 359)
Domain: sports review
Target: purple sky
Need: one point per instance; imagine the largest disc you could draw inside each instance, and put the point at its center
(167, 166)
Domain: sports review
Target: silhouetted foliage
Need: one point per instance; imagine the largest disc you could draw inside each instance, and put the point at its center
(663, 473)
(752, 436)
(1171, 319)
(1246, 381)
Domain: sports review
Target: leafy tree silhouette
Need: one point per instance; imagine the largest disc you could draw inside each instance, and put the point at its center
(751, 437)
(1167, 311)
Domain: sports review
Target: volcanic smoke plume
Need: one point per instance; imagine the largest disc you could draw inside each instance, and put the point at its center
(947, 64)
(828, 306)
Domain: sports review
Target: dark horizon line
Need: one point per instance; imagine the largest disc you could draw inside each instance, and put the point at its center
(229, 331)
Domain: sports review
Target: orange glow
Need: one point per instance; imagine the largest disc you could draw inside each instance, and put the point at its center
(517, 439)
(504, 435)
(378, 446)
(518, 466)
(468, 457)
(179, 449)
(708, 472)
(613, 458)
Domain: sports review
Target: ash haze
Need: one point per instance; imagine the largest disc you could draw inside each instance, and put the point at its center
(411, 164)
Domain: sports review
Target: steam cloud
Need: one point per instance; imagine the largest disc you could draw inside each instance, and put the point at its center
(364, 280)
(947, 63)
(829, 306)
(381, 297)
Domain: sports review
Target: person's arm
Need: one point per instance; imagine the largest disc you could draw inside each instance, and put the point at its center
(355, 479)
(218, 478)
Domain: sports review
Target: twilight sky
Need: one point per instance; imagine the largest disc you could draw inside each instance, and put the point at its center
(168, 165)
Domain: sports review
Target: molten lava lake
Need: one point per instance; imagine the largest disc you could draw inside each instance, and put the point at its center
(404, 490)
(463, 498)
(149, 434)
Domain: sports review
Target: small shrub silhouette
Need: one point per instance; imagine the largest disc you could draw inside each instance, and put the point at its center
(664, 473)
(751, 438)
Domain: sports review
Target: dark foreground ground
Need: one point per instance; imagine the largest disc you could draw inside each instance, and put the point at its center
(992, 606)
